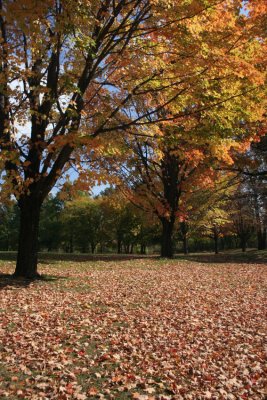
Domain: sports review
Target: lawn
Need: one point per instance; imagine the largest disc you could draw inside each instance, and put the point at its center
(135, 329)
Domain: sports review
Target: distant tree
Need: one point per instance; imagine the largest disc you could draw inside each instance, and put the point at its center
(206, 208)
(50, 233)
(214, 224)
(252, 168)
(122, 220)
(253, 193)
(242, 220)
(126, 224)
(81, 219)
(9, 226)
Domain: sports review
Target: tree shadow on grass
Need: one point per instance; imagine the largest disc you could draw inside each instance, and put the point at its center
(250, 257)
(52, 258)
(8, 280)
(235, 257)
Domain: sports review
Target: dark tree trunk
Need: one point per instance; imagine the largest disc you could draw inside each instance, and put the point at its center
(7, 242)
(28, 238)
(243, 243)
(93, 247)
(216, 243)
(184, 231)
(264, 239)
(71, 243)
(185, 245)
(166, 238)
(143, 249)
(119, 247)
(261, 234)
(261, 230)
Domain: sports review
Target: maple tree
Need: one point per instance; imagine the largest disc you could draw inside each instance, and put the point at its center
(220, 93)
(51, 56)
(163, 176)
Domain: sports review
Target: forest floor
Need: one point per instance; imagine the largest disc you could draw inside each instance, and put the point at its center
(142, 329)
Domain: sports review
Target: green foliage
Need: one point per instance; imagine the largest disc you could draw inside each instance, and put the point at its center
(50, 231)
(9, 225)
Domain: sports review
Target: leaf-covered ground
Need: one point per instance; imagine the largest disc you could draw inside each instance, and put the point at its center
(135, 329)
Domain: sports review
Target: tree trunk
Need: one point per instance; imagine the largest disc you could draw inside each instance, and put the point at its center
(28, 238)
(216, 244)
(243, 244)
(143, 249)
(166, 238)
(185, 245)
(119, 246)
(261, 231)
(184, 231)
(261, 234)
(7, 242)
(264, 239)
(71, 243)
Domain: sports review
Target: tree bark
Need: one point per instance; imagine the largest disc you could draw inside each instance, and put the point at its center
(143, 249)
(243, 244)
(264, 239)
(261, 230)
(185, 245)
(71, 243)
(166, 238)
(261, 235)
(216, 243)
(26, 266)
(184, 231)
(119, 246)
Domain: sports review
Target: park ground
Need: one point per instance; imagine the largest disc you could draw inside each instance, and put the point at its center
(140, 328)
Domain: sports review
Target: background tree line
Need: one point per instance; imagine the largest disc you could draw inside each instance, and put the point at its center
(225, 216)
